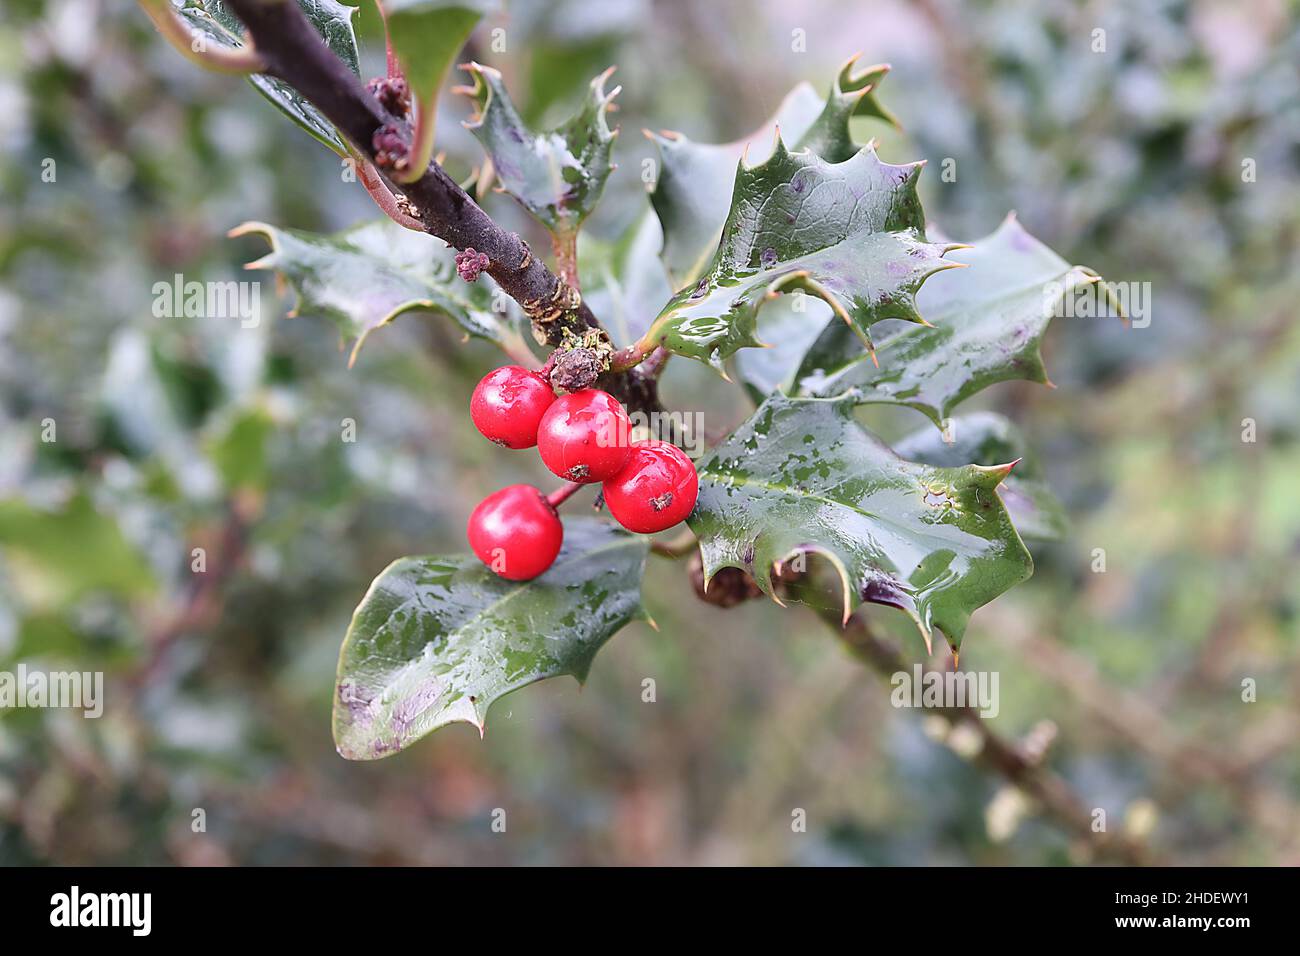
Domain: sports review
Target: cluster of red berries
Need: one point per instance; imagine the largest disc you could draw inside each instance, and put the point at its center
(582, 437)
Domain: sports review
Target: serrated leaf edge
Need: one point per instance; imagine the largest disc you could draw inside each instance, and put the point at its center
(801, 278)
(465, 710)
(489, 87)
(268, 262)
(992, 477)
(1072, 278)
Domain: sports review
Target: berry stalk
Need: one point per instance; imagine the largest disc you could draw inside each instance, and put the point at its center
(562, 494)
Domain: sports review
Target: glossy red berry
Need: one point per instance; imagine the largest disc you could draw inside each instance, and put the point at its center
(516, 532)
(508, 404)
(583, 436)
(655, 490)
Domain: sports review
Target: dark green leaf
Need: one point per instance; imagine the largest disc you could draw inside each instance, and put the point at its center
(439, 639)
(214, 21)
(985, 438)
(988, 322)
(801, 476)
(366, 276)
(427, 36)
(851, 234)
(693, 191)
(558, 175)
(852, 94)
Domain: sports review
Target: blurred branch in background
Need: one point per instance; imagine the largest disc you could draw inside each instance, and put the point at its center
(1050, 792)
(971, 736)
(201, 601)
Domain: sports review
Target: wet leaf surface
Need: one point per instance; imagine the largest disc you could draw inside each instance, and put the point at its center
(801, 476)
(850, 233)
(440, 639)
(986, 438)
(366, 276)
(692, 193)
(988, 319)
(212, 19)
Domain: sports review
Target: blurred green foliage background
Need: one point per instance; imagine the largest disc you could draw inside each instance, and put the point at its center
(179, 433)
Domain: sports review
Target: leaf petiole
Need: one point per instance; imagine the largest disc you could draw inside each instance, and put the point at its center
(564, 244)
(562, 494)
(384, 197)
(636, 353)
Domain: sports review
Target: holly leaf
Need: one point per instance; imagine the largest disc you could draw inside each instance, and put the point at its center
(802, 477)
(213, 21)
(366, 276)
(852, 94)
(692, 193)
(558, 175)
(440, 639)
(426, 36)
(850, 233)
(989, 322)
(693, 189)
(986, 438)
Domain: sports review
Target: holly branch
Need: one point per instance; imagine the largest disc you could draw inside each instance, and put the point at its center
(289, 48)
(1018, 765)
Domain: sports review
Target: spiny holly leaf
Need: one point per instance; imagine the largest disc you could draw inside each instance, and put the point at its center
(439, 639)
(988, 322)
(790, 324)
(212, 20)
(366, 276)
(557, 175)
(850, 233)
(426, 36)
(693, 190)
(852, 94)
(692, 193)
(623, 281)
(985, 438)
(801, 476)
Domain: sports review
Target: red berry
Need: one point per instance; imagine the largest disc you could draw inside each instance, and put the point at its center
(583, 436)
(656, 488)
(508, 403)
(516, 532)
